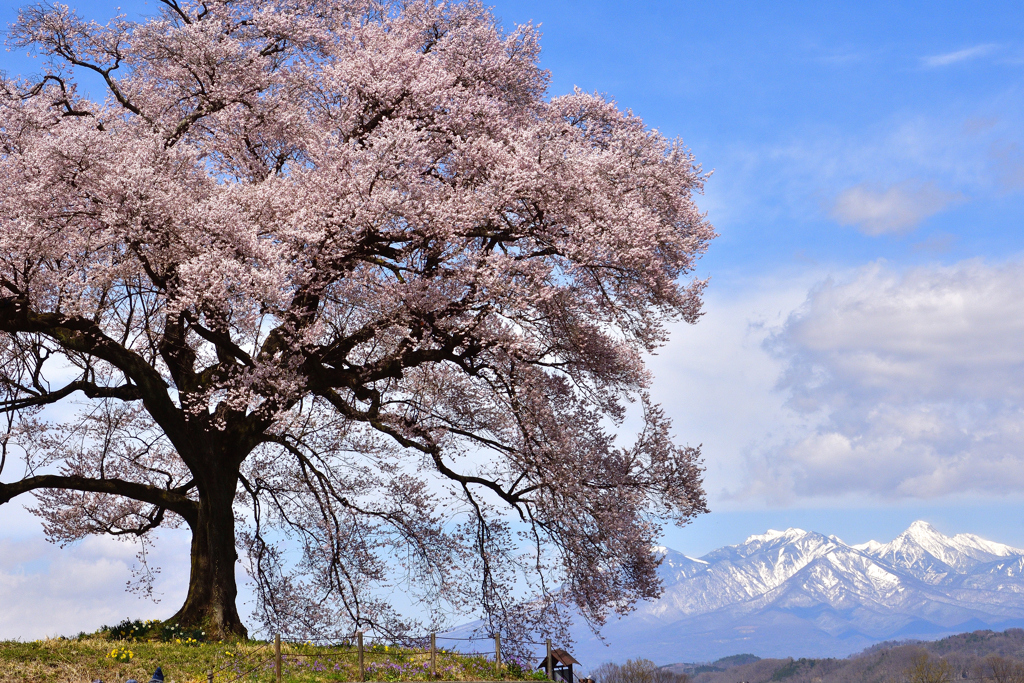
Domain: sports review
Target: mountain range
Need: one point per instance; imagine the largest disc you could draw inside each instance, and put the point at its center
(803, 594)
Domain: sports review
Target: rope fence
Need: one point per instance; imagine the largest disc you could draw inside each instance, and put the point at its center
(366, 656)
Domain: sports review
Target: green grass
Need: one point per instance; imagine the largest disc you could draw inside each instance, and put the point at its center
(89, 658)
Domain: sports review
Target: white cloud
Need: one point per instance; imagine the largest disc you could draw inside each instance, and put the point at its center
(958, 56)
(46, 590)
(912, 385)
(896, 209)
(716, 381)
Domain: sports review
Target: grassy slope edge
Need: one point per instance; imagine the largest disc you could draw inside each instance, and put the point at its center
(89, 659)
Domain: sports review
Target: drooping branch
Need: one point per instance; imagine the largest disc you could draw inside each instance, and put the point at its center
(226, 348)
(85, 336)
(175, 499)
(64, 100)
(125, 392)
(58, 33)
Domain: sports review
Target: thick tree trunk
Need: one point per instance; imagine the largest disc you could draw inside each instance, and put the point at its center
(212, 591)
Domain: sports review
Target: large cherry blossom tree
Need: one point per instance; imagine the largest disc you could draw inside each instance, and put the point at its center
(337, 276)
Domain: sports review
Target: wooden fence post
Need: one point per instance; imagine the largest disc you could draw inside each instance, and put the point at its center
(277, 657)
(359, 643)
(497, 655)
(433, 655)
(548, 663)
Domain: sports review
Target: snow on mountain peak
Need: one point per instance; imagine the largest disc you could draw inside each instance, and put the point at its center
(870, 547)
(923, 530)
(921, 525)
(931, 555)
(991, 547)
(830, 569)
(794, 586)
(773, 534)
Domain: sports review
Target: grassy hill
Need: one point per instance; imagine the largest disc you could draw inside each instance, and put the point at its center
(95, 657)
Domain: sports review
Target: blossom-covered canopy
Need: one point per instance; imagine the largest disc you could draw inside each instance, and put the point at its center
(341, 272)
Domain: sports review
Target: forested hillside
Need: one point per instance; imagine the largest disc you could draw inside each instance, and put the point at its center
(979, 656)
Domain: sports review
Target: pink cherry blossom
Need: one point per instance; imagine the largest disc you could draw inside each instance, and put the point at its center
(340, 275)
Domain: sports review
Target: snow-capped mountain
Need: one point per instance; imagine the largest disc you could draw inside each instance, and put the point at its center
(800, 593)
(921, 545)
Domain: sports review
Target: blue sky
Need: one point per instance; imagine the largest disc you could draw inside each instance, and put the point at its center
(791, 105)
(851, 373)
(860, 361)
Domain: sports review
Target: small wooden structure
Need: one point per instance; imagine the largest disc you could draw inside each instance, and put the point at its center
(561, 662)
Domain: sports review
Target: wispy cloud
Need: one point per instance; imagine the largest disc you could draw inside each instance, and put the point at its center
(896, 209)
(1008, 160)
(958, 56)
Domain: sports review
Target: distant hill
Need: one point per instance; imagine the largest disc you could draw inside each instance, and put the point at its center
(966, 654)
(803, 594)
(721, 664)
